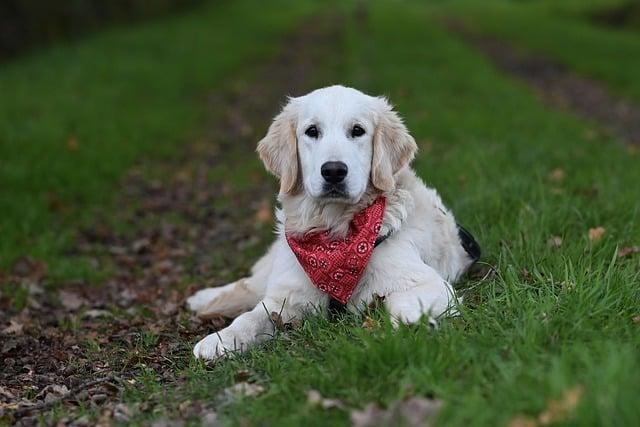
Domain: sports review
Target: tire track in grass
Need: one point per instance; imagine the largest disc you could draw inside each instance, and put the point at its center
(558, 86)
(191, 221)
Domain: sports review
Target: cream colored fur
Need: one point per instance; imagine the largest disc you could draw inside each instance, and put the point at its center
(413, 269)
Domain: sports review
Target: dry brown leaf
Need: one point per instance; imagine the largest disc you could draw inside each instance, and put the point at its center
(264, 213)
(628, 250)
(72, 143)
(371, 416)
(242, 375)
(523, 421)
(14, 328)
(636, 319)
(95, 313)
(71, 301)
(315, 399)
(557, 175)
(412, 412)
(554, 242)
(370, 324)
(6, 394)
(596, 234)
(559, 410)
(244, 389)
(417, 411)
(277, 321)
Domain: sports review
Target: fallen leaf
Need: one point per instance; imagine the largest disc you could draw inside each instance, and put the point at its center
(559, 410)
(264, 213)
(281, 325)
(557, 175)
(554, 242)
(525, 274)
(242, 375)
(417, 411)
(371, 416)
(169, 308)
(596, 234)
(14, 328)
(72, 143)
(523, 421)
(276, 319)
(71, 301)
(315, 399)
(369, 324)
(93, 314)
(140, 245)
(53, 392)
(6, 394)
(413, 412)
(209, 419)
(628, 250)
(31, 268)
(244, 389)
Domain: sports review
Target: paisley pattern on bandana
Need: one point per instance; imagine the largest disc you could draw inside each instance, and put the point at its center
(336, 266)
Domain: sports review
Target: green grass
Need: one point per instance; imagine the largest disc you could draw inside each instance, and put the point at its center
(562, 31)
(76, 116)
(488, 146)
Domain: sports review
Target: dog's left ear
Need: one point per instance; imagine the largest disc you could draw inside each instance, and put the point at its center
(393, 146)
(278, 149)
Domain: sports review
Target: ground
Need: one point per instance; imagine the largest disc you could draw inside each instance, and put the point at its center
(128, 180)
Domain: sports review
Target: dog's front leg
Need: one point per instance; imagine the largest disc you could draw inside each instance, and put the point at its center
(289, 294)
(411, 289)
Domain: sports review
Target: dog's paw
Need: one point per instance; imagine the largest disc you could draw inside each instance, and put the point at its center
(210, 348)
(219, 344)
(413, 319)
(202, 298)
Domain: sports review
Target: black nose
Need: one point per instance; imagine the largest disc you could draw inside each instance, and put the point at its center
(334, 172)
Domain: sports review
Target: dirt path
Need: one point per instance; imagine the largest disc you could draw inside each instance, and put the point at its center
(192, 226)
(557, 86)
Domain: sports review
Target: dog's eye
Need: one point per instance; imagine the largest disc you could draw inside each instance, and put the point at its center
(311, 132)
(357, 131)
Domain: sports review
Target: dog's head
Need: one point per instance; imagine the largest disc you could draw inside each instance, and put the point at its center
(334, 143)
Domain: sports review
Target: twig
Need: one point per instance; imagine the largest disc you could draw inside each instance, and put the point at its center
(20, 412)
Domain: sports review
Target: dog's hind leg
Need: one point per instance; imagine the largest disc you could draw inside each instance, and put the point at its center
(229, 300)
(234, 298)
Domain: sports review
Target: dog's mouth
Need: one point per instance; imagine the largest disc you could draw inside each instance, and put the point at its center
(334, 192)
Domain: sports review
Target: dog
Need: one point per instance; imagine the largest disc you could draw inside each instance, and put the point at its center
(342, 155)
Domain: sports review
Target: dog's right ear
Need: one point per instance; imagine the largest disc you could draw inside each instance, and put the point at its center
(279, 149)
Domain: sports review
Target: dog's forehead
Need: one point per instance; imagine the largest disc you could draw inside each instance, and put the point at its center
(335, 103)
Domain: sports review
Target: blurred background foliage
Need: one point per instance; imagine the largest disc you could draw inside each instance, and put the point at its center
(27, 23)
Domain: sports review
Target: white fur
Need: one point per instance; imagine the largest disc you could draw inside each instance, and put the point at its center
(413, 269)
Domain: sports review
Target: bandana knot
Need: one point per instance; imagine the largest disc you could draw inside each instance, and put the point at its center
(336, 266)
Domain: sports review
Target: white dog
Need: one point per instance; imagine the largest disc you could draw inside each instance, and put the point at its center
(337, 151)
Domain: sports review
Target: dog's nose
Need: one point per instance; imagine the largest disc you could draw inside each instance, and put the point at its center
(334, 172)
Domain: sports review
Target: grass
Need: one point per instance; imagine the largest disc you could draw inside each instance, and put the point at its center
(549, 320)
(565, 32)
(75, 117)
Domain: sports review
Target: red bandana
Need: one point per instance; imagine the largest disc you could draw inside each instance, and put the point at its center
(336, 266)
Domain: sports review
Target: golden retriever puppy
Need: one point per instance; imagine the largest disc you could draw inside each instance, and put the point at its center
(354, 222)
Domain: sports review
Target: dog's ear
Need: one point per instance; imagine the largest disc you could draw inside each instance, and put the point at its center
(278, 149)
(393, 146)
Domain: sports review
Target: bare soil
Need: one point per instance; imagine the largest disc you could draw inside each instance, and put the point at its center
(558, 86)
